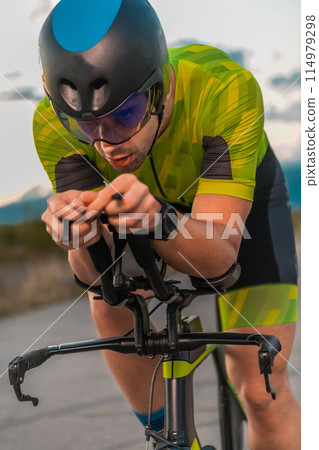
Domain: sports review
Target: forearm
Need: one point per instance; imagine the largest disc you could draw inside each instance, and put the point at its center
(81, 263)
(82, 266)
(195, 252)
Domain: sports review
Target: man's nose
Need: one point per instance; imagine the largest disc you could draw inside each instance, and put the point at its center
(107, 148)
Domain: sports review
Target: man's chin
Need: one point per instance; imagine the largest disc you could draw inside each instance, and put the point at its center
(123, 169)
(129, 168)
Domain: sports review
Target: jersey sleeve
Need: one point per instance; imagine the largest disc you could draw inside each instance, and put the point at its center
(68, 163)
(232, 131)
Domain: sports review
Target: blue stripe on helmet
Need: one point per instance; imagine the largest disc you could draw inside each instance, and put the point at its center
(80, 24)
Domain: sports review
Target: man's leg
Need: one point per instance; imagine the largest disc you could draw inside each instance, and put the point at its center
(272, 424)
(133, 373)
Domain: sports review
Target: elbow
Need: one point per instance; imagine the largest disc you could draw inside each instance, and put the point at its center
(220, 265)
(228, 263)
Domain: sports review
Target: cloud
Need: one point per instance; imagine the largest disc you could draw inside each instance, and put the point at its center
(22, 93)
(284, 138)
(183, 42)
(13, 75)
(40, 8)
(238, 55)
(284, 82)
(277, 55)
(292, 112)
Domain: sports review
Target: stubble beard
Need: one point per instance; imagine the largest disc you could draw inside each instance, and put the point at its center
(138, 157)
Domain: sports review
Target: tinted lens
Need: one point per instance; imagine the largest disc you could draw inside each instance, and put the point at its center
(115, 127)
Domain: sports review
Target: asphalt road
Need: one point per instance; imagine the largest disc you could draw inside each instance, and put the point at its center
(80, 405)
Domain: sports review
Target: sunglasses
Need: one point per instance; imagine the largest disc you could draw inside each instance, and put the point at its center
(120, 124)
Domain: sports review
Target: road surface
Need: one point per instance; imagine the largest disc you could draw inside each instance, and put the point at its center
(80, 405)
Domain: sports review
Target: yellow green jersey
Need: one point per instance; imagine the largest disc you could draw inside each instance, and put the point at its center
(213, 143)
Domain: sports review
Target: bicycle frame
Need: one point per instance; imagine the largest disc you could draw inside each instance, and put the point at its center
(182, 343)
(178, 373)
(179, 404)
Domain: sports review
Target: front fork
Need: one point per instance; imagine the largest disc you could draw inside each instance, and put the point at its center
(179, 429)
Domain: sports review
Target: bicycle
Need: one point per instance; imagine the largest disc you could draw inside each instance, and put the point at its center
(182, 344)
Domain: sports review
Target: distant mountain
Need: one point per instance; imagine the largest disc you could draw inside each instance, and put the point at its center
(292, 171)
(26, 206)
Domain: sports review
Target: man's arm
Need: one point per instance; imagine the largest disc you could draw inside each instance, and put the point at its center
(199, 255)
(214, 246)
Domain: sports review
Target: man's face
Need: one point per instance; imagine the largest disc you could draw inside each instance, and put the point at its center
(130, 155)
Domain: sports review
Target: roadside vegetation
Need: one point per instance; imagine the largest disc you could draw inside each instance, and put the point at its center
(33, 270)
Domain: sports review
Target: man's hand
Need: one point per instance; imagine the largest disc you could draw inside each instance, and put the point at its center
(68, 222)
(135, 208)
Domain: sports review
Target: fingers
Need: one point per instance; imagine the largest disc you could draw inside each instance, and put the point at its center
(130, 202)
(101, 200)
(55, 212)
(126, 201)
(61, 200)
(68, 221)
(70, 235)
(136, 212)
(119, 187)
(88, 197)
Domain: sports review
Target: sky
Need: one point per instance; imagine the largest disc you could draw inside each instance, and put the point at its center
(264, 36)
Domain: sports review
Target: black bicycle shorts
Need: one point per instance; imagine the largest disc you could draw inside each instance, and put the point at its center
(266, 292)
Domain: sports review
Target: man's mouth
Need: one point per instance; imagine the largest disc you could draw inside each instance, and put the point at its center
(119, 161)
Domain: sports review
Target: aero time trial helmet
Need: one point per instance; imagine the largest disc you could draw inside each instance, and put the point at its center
(105, 67)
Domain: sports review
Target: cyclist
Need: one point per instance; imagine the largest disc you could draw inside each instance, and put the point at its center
(184, 125)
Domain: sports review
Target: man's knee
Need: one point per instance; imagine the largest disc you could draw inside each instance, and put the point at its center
(243, 369)
(250, 383)
(254, 396)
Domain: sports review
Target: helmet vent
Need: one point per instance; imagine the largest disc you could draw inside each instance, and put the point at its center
(100, 94)
(70, 94)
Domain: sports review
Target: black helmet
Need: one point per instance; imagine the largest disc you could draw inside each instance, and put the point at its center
(96, 54)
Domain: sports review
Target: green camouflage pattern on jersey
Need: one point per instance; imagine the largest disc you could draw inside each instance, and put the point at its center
(214, 96)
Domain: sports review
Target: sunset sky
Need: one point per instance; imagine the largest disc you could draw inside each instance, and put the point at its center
(262, 36)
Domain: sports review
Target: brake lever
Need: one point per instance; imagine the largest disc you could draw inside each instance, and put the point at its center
(266, 356)
(266, 369)
(17, 369)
